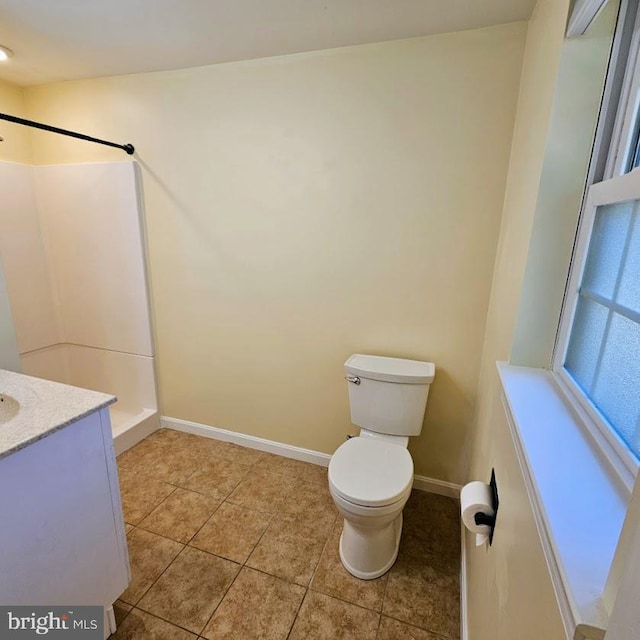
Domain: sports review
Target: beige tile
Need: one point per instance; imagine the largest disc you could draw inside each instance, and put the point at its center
(139, 625)
(216, 478)
(171, 464)
(181, 515)
(132, 459)
(207, 447)
(288, 550)
(232, 532)
(395, 630)
(431, 525)
(173, 438)
(279, 464)
(325, 618)
(333, 579)
(141, 494)
(262, 491)
(244, 455)
(314, 473)
(121, 610)
(425, 592)
(174, 464)
(256, 606)
(311, 504)
(188, 592)
(149, 556)
(215, 449)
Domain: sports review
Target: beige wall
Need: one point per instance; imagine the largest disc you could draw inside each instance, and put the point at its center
(15, 147)
(509, 592)
(305, 207)
(576, 106)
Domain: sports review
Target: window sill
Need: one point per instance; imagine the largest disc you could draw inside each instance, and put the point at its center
(577, 502)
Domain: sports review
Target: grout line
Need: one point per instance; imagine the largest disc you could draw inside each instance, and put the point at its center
(224, 595)
(439, 635)
(161, 574)
(384, 597)
(353, 604)
(155, 615)
(293, 624)
(154, 508)
(205, 522)
(324, 548)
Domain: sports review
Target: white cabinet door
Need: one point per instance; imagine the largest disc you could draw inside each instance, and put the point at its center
(61, 530)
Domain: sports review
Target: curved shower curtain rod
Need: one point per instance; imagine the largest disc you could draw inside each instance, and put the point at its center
(46, 127)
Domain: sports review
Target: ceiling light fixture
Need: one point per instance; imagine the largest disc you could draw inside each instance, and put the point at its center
(5, 53)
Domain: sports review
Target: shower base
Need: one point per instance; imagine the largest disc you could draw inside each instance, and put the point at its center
(129, 428)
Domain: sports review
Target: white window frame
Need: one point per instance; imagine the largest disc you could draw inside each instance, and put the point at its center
(628, 110)
(618, 189)
(616, 186)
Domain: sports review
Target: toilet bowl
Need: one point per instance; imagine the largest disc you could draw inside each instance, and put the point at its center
(370, 481)
(371, 475)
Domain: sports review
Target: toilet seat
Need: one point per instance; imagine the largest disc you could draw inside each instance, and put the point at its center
(371, 473)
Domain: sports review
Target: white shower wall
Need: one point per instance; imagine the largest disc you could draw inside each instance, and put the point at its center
(72, 244)
(92, 226)
(129, 377)
(27, 271)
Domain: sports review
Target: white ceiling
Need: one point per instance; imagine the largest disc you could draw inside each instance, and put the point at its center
(69, 39)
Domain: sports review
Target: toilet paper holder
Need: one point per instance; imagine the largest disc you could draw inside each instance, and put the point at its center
(484, 518)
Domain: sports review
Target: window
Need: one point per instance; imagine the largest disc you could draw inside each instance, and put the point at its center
(598, 350)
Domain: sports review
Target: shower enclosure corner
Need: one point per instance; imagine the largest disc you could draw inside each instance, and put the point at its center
(72, 244)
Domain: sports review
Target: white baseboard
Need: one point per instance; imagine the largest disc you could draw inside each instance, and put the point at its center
(253, 442)
(442, 488)
(289, 451)
(464, 620)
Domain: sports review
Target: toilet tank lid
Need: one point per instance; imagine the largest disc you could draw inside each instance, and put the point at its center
(390, 369)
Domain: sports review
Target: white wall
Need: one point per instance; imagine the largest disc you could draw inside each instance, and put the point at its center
(27, 269)
(9, 357)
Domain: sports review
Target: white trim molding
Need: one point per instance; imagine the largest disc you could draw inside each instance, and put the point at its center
(442, 488)
(562, 492)
(421, 483)
(464, 607)
(252, 442)
(583, 14)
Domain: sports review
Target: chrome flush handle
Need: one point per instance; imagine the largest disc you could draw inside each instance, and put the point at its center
(353, 379)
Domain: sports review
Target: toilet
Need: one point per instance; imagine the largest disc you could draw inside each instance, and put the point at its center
(371, 475)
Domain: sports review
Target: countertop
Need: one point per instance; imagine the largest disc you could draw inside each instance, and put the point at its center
(45, 407)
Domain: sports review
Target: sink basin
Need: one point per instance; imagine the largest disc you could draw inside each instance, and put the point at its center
(9, 408)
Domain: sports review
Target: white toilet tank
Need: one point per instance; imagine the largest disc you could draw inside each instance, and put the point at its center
(388, 395)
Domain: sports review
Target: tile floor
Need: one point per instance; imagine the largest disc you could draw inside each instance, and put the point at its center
(230, 543)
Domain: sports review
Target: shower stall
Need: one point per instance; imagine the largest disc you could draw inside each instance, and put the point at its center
(72, 245)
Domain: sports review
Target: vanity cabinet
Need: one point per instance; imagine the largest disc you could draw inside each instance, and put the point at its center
(62, 534)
